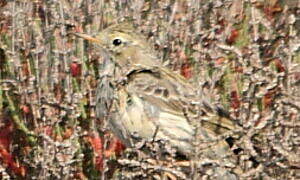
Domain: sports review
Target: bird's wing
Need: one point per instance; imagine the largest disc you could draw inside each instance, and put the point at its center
(172, 93)
(168, 101)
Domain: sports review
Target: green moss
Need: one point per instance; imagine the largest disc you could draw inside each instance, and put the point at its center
(210, 71)
(226, 86)
(83, 104)
(58, 130)
(262, 28)
(259, 104)
(240, 82)
(14, 112)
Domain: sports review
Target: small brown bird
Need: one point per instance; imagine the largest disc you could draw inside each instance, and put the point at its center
(152, 101)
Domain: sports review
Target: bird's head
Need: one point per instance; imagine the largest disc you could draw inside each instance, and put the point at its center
(125, 44)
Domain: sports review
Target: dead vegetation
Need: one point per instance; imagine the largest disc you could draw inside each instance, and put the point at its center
(244, 54)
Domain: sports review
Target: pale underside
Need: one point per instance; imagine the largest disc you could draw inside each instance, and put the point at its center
(156, 104)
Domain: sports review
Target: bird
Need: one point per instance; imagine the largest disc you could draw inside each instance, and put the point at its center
(152, 101)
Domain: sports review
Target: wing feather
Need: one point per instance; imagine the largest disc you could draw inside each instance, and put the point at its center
(165, 98)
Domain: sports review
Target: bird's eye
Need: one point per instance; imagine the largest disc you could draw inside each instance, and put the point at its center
(117, 42)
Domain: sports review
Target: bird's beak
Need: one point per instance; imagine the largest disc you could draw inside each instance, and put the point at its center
(87, 37)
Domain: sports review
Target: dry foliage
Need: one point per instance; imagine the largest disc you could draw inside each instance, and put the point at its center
(244, 54)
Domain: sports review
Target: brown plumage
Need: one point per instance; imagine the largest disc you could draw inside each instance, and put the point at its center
(152, 101)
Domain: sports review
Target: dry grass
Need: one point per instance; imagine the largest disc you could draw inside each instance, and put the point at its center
(244, 55)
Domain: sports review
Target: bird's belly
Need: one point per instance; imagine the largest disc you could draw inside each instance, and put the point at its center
(137, 119)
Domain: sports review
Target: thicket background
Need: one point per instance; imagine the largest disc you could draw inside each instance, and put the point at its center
(244, 53)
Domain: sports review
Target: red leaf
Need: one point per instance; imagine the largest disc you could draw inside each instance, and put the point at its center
(268, 98)
(5, 156)
(25, 109)
(75, 69)
(115, 147)
(5, 135)
(220, 60)
(8, 160)
(25, 69)
(235, 100)
(186, 71)
(279, 65)
(233, 36)
(68, 133)
(97, 146)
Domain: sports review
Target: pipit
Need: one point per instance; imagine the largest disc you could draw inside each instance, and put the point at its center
(152, 101)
